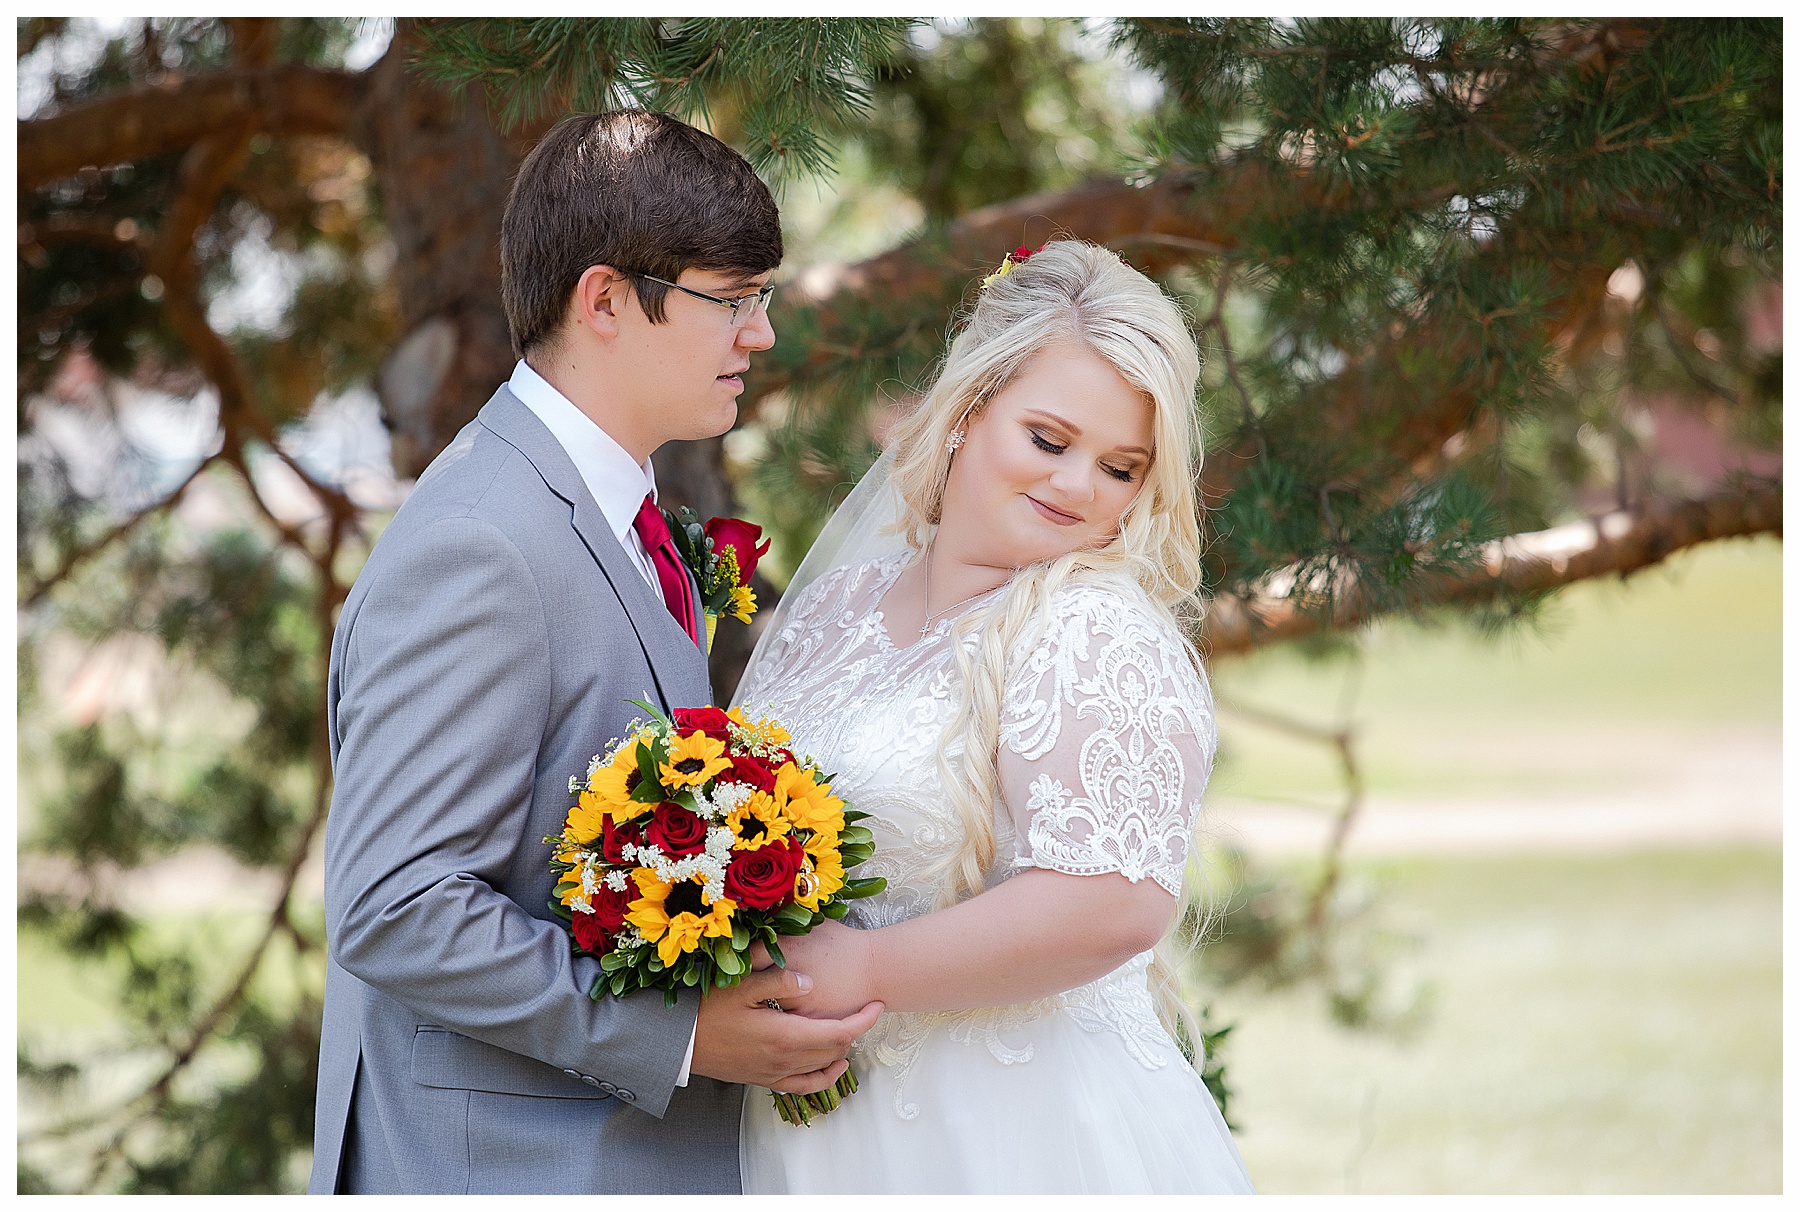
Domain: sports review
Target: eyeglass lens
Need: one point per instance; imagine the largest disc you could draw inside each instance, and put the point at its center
(745, 310)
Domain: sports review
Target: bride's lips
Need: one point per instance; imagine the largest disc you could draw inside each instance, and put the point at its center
(1054, 515)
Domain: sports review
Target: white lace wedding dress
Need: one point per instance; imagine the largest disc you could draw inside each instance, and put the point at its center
(1107, 738)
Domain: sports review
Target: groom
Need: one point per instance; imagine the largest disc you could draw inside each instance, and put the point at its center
(524, 592)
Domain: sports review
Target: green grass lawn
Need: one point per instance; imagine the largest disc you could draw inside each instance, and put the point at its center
(1601, 1024)
(1682, 652)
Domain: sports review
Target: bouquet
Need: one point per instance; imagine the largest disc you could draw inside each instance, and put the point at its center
(694, 838)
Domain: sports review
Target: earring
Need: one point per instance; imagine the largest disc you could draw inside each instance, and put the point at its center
(955, 440)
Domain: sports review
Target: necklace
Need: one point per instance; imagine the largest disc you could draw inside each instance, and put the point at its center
(929, 617)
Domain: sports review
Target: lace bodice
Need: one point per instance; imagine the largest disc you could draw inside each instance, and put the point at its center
(1106, 741)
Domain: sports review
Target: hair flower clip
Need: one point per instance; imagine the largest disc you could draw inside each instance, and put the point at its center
(1017, 256)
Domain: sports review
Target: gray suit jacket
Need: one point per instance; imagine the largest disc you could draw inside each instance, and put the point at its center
(482, 657)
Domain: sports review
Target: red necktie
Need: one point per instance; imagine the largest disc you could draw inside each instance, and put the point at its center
(671, 574)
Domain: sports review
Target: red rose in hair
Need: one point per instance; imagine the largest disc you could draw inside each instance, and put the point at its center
(764, 878)
(709, 720)
(741, 537)
(614, 837)
(676, 830)
(746, 769)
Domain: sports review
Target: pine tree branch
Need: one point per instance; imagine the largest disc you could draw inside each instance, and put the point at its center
(1618, 543)
(157, 119)
(87, 551)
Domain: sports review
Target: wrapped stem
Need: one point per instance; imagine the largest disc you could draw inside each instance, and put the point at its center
(799, 1109)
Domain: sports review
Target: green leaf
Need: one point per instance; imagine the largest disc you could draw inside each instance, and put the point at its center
(775, 953)
(652, 712)
(855, 890)
(856, 835)
(835, 910)
(649, 789)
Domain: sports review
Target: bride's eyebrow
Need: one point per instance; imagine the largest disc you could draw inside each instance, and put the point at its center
(1075, 431)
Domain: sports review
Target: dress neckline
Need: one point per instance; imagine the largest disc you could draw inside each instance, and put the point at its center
(885, 639)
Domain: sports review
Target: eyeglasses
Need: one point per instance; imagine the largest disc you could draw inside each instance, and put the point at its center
(744, 310)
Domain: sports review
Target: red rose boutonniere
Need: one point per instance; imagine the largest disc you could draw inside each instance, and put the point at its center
(722, 555)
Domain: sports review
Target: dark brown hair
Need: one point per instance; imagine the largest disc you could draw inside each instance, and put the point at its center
(634, 189)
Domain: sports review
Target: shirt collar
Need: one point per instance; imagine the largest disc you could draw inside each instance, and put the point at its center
(617, 483)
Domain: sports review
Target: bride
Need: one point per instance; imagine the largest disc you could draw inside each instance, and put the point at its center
(982, 644)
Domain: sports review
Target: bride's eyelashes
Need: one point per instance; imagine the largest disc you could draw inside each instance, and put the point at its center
(1121, 474)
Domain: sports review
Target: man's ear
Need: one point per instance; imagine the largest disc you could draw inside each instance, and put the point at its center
(599, 299)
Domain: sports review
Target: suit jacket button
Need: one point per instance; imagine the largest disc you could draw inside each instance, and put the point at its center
(571, 1073)
(627, 1095)
(590, 1079)
(609, 1087)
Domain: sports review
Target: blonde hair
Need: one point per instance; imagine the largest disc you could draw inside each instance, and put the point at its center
(1076, 293)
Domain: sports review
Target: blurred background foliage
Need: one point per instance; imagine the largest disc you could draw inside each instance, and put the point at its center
(1489, 307)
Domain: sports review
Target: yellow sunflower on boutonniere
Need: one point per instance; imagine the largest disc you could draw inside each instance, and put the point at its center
(693, 760)
(722, 555)
(677, 916)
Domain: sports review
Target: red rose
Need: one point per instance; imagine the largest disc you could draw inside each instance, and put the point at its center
(614, 837)
(746, 769)
(710, 720)
(764, 878)
(741, 537)
(676, 830)
(589, 935)
(594, 931)
(610, 907)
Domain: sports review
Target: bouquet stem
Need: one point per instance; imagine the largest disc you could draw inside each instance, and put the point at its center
(799, 1109)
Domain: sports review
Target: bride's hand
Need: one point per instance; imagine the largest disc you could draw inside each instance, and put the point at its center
(837, 958)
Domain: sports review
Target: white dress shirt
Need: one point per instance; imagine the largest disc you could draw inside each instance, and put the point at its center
(618, 486)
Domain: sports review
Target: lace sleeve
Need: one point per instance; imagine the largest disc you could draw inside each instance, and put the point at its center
(1107, 739)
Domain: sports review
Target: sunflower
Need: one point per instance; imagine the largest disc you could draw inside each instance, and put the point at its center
(677, 916)
(756, 822)
(742, 604)
(821, 875)
(585, 819)
(765, 731)
(806, 803)
(611, 786)
(692, 760)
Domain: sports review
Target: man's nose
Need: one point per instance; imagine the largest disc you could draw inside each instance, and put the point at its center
(759, 333)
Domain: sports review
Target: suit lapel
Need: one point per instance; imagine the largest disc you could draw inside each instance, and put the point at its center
(676, 664)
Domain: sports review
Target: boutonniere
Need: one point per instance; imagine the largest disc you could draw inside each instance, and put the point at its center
(722, 555)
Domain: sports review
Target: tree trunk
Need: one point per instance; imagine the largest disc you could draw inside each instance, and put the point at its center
(445, 169)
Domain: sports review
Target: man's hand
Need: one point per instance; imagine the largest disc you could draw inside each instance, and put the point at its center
(740, 1039)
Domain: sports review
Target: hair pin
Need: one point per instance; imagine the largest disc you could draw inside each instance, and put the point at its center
(1017, 256)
